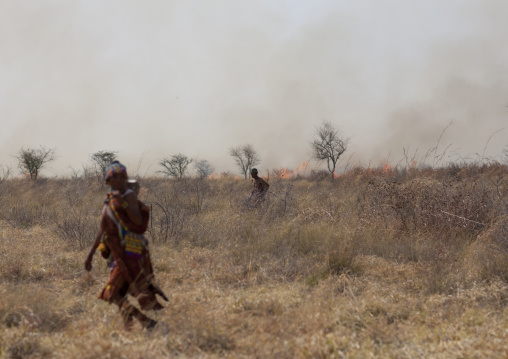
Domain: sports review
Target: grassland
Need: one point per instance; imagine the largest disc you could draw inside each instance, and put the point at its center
(379, 263)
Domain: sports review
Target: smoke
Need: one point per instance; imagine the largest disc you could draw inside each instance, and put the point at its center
(157, 78)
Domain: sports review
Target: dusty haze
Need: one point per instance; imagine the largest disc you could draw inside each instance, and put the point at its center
(153, 78)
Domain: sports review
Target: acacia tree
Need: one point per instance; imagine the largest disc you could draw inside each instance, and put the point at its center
(328, 145)
(245, 157)
(101, 160)
(175, 166)
(203, 168)
(31, 160)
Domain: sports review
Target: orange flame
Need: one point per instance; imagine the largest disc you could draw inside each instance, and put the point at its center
(387, 168)
(300, 171)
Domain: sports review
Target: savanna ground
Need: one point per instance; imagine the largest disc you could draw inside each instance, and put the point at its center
(379, 263)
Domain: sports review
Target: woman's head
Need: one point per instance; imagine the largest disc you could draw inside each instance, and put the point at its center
(115, 172)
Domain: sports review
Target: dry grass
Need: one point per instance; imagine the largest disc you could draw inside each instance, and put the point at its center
(390, 264)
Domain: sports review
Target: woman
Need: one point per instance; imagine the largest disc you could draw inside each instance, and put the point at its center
(124, 220)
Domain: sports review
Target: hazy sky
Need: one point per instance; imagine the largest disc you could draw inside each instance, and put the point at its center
(149, 79)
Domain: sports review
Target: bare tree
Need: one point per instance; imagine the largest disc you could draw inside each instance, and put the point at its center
(245, 157)
(101, 160)
(31, 160)
(175, 166)
(328, 145)
(203, 168)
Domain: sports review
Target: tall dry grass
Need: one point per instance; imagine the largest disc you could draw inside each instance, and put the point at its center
(379, 263)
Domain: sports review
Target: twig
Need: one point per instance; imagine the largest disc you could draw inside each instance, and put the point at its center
(464, 218)
(491, 136)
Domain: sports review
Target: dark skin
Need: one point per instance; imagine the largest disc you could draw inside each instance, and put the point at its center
(253, 175)
(118, 184)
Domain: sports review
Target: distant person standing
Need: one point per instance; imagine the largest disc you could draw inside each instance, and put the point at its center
(120, 239)
(260, 187)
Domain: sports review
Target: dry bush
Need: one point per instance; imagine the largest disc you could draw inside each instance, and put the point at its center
(72, 207)
(27, 347)
(432, 203)
(173, 203)
(26, 203)
(499, 233)
(23, 307)
(490, 251)
(79, 218)
(24, 214)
